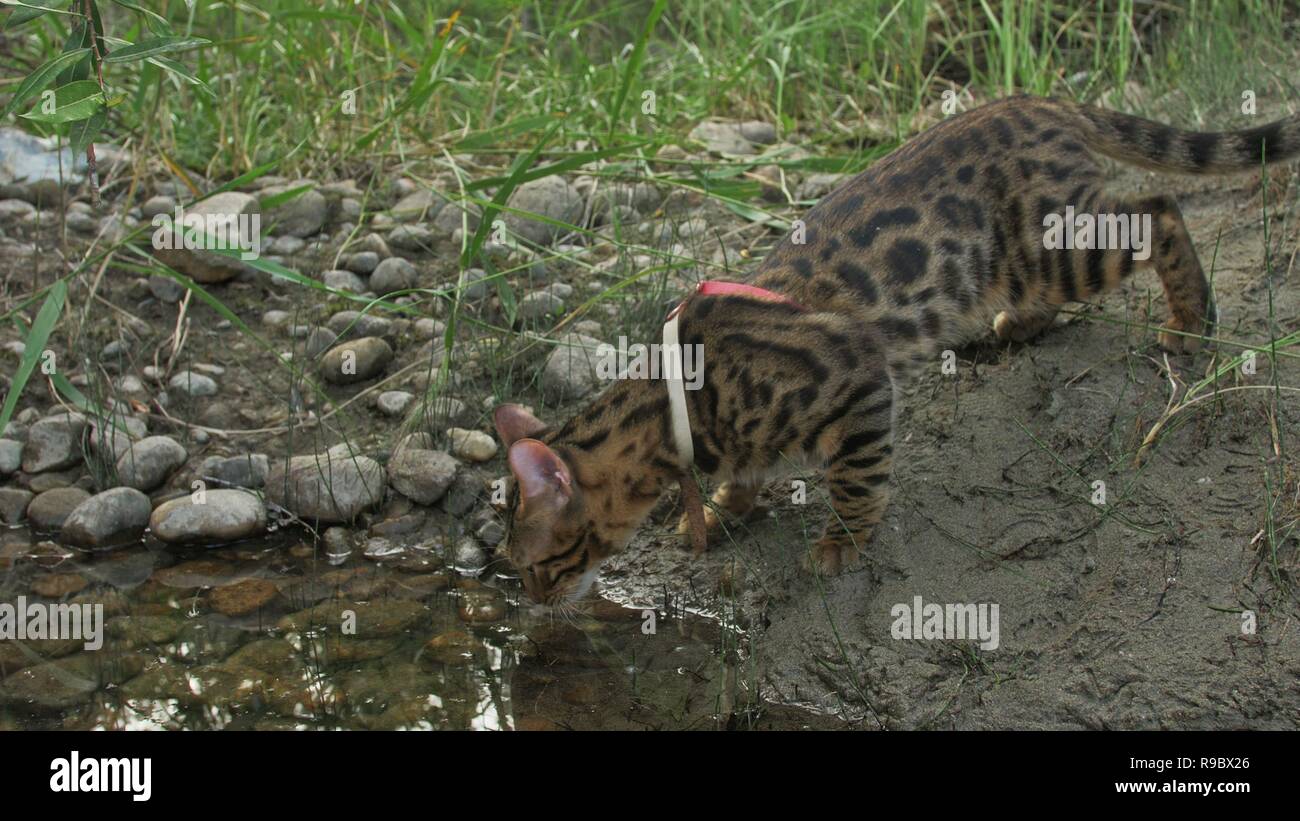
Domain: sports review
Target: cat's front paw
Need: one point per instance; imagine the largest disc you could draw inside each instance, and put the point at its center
(712, 527)
(1012, 328)
(1179, 336)
(831, 555)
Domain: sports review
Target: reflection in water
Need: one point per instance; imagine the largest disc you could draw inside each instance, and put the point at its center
(273, 637)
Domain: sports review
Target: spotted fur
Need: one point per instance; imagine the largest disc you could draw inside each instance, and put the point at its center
(921, 252)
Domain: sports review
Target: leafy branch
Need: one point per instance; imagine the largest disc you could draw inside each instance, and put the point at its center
(78, 102)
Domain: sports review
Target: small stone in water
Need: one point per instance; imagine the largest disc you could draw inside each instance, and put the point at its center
(380, 548)
(481, 608)
(452, 647)
(491, 533)
(244, 597)
(247, 470)
(469, 556)
(58, 585)
(50, 509)
(220, 515)
(338, 541)
(13, 504)
(117, 514)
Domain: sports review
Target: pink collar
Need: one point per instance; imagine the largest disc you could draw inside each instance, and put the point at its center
(717, 287)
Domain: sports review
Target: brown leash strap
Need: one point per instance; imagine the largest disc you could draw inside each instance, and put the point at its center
(694, 512)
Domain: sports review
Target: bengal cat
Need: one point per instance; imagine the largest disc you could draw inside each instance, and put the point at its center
(919, 253)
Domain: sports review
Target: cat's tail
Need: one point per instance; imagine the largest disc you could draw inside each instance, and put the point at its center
(1160, 147)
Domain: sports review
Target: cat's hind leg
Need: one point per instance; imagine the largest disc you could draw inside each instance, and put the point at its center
(1136, 233)
(1191, 306)
(860, 458)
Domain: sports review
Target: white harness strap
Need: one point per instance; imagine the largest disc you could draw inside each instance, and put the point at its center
(673, 367)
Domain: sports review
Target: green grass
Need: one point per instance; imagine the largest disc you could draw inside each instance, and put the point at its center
(492, 80)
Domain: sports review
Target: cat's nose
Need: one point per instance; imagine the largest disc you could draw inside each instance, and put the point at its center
(535, 585)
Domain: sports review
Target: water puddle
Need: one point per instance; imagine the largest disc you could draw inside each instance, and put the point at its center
(272, 635)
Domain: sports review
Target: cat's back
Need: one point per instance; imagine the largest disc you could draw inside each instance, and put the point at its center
(918, 243)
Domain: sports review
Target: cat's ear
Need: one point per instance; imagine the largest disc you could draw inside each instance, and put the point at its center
(544, 480)
(514, 423)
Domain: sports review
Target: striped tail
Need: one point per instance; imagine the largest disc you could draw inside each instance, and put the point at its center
(1160, 147)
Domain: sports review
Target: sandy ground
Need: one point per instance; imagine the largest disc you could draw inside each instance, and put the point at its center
(1121, 616)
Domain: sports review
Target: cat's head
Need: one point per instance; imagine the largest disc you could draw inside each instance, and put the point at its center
(551, 541)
